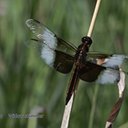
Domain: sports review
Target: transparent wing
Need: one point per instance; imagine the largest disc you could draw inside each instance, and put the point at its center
(93, 56)
(49, 38)
(97, 54)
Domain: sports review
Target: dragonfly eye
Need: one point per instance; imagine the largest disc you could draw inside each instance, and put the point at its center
(87, 40)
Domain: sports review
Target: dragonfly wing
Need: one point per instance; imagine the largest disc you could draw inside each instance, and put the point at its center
(49, 38)
(113, 63)
(54, 51)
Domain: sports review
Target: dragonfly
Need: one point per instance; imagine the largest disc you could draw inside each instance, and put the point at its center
(66, 57)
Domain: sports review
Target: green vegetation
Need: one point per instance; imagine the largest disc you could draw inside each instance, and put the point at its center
(27, 83)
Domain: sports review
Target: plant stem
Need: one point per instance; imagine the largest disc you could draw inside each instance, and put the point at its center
(91, 27)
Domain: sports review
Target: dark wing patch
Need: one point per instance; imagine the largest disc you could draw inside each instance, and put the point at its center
(90, 71)
(63, 62)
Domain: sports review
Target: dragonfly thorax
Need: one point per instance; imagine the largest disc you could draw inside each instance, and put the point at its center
(82, 50)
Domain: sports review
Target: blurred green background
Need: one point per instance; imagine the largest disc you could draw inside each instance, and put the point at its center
(27, 84)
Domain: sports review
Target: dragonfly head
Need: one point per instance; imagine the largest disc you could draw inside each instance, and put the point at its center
(86, 40)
